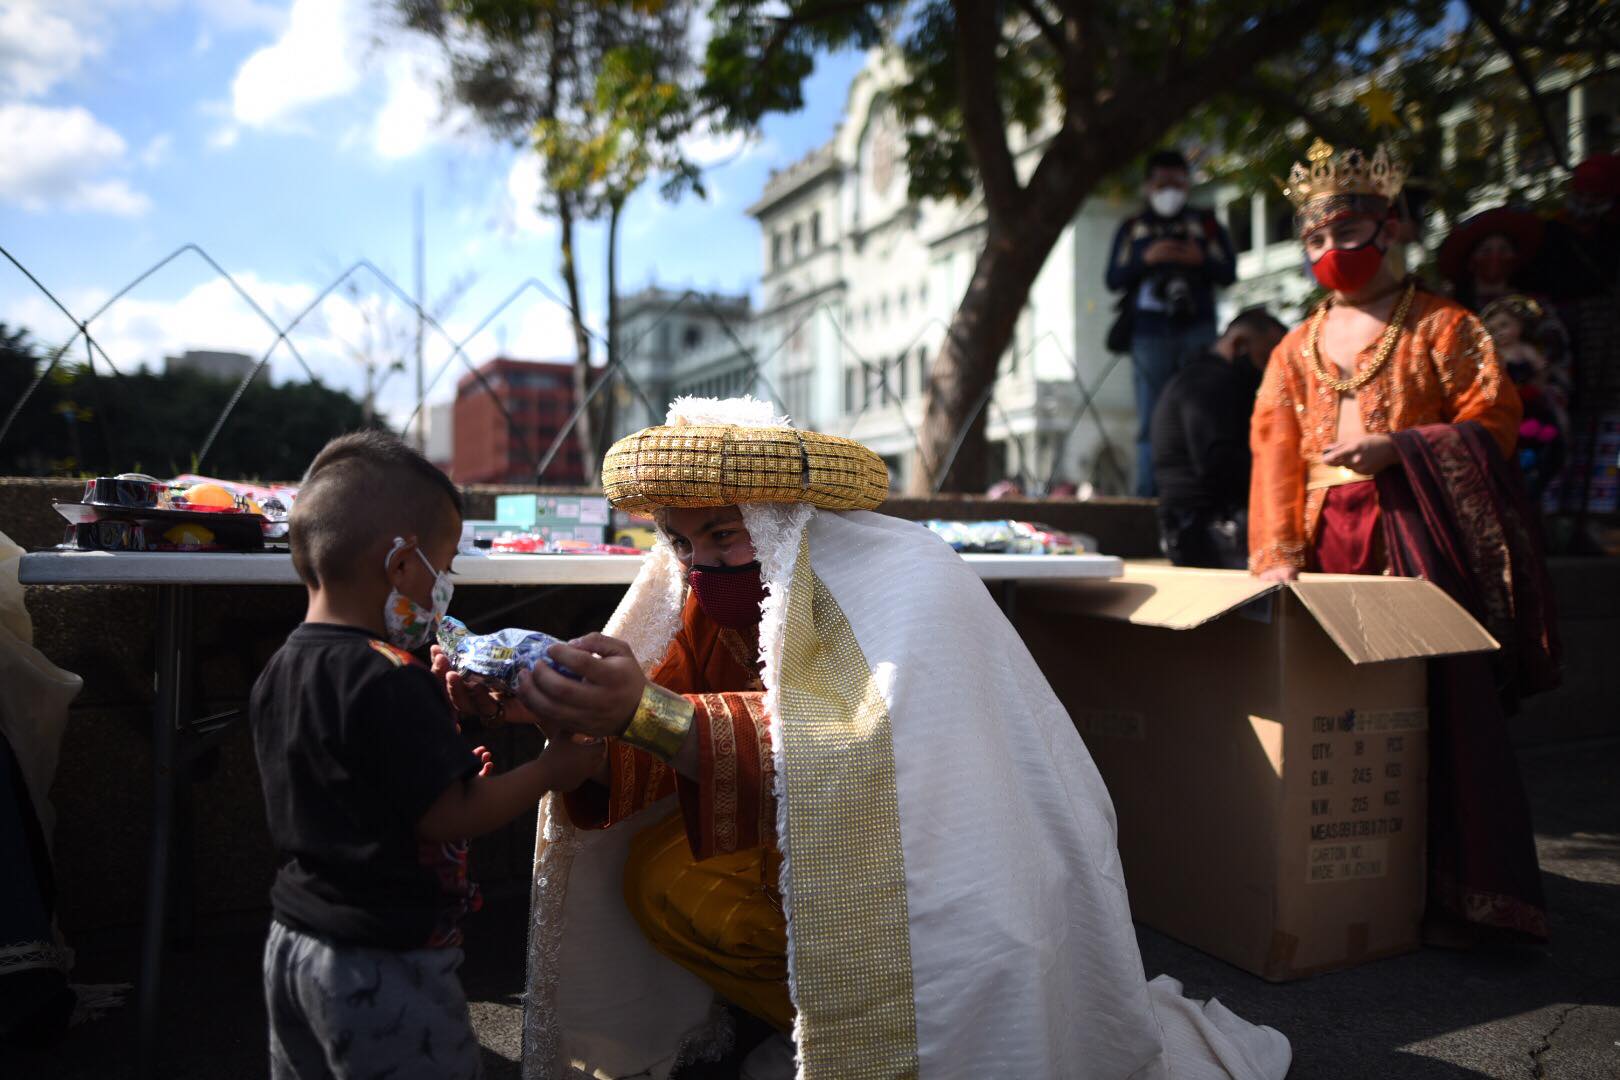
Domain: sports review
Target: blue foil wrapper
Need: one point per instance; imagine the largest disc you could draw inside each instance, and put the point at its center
(495, 660)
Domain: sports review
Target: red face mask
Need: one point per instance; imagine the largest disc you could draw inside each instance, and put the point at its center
(730, 595)
(1347, 270)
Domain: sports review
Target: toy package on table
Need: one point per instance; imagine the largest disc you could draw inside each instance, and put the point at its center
(136, 512)
(494, 661)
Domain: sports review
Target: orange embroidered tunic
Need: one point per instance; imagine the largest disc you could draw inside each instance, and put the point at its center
(1444, 370)
(732, 805)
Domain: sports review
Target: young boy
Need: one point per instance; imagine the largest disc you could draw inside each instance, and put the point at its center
(369, 789)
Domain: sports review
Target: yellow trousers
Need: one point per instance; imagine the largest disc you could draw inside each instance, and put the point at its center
(721, 919)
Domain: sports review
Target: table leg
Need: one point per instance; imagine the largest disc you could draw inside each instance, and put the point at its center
(174, 642)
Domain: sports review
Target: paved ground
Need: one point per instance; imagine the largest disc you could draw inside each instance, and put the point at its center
(1502, 1013)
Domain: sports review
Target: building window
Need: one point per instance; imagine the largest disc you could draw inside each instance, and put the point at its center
(815, 231)
(922, 370)
(849, 390)
(692, 336)
(1279, 222)
(1240, 223)
(904, 371)
(776, 250)
(797, 236)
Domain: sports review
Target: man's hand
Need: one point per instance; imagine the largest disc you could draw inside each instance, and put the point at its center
(601, 704)
(1189, 253)
(1163, 251)
(570, 760)
(1280, 573)
(1367, 455)
(471, 701)
(486, 758)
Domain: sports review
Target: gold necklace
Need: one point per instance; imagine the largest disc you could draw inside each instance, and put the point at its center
(1386, 347)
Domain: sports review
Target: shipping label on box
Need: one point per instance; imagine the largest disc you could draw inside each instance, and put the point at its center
(1361, 776)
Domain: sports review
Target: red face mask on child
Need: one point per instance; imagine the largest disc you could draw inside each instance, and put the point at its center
(730, 595)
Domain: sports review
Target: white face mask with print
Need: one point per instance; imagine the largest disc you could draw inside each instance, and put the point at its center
(409, 623)
(1167, 202)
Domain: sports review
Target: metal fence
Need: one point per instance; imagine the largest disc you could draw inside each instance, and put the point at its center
(1109, 466)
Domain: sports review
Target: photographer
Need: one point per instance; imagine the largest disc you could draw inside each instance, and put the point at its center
(1167, 260)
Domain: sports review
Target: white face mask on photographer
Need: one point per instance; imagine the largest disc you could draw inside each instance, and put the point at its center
(1168, 201)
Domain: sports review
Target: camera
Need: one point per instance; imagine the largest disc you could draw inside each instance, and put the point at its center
(1176, 293)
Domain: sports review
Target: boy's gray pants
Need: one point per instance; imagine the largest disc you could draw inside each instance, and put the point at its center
(353, 1012)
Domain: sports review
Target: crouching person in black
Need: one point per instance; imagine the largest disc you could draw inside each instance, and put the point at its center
(1200, 438)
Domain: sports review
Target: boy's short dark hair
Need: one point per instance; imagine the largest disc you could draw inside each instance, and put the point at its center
(364, 487)
(1165, 159)
(1256, 319)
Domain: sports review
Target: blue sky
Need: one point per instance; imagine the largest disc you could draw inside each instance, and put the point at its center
(288, 139)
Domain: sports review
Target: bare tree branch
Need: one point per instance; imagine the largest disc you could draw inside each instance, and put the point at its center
(1492, 21)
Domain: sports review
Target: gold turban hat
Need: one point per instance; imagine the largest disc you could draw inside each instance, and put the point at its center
(719, 453)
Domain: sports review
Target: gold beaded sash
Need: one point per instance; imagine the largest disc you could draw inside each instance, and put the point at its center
(1328, 476)
(850, 925)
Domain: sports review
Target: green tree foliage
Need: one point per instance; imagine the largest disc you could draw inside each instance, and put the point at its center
(79, 423)
(600, 90)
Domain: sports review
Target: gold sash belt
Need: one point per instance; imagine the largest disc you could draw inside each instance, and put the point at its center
(1328, 476)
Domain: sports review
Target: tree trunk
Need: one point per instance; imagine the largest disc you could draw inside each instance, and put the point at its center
(963, 375)
(582, 339)
(606, 398)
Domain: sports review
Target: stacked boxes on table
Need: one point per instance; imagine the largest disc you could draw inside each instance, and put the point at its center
(1265, 747)
(554, 517)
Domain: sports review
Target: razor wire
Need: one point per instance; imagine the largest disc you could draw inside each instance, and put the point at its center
(754, 371)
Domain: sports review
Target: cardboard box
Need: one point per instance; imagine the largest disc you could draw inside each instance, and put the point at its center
(570, 511)
(1265, 747)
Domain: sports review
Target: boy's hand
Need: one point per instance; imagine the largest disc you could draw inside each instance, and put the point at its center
(601, 702)
(482, 754)
(487, 705)
(1367, 455)
(570, 760)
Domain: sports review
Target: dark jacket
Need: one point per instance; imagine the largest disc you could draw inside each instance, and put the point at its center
(1201, 434)
(1145, 286)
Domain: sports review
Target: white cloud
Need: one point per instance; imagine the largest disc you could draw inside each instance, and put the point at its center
(543, 331)
(523, 187)
(412, 116)
(138, 331)
(59, 157)
(39, 48)
(327, 53)
(706, 147)
(156, 151)
(313, 60)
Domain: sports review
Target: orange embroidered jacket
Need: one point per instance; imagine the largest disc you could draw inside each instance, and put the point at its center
(732, 805)
(1444, 370)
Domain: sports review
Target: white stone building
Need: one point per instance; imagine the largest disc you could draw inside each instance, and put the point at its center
(860, 284)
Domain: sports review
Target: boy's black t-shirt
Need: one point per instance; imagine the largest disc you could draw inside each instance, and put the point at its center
(355, 741)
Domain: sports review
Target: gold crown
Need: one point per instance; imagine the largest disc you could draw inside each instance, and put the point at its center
(1345, 172)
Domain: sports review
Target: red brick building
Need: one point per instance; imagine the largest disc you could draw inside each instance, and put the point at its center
(539, 396)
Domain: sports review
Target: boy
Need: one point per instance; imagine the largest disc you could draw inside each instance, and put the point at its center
(368, 787)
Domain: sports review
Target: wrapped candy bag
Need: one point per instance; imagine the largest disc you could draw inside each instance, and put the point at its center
(494, 661)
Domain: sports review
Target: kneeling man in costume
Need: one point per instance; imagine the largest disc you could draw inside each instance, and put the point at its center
(839, 794)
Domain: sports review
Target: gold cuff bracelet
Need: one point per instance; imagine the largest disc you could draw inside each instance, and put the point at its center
(661, 723)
